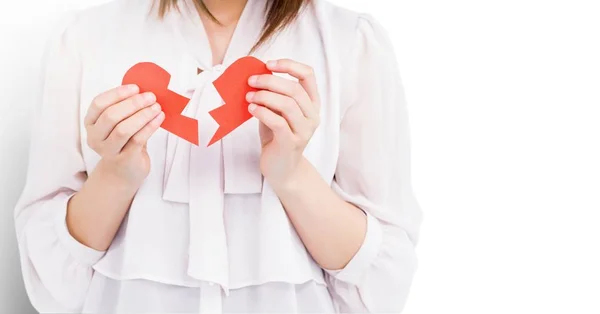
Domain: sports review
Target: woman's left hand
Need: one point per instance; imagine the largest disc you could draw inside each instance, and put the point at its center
(288, 112)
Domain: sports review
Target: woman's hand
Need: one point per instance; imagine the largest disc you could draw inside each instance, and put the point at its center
(288, 112)
(119, 122)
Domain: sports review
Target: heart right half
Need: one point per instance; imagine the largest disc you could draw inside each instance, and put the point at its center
(233, 86)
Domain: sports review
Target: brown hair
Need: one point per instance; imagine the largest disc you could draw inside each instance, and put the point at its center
(279, 14)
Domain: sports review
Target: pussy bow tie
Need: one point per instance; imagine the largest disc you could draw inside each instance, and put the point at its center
(200, 170)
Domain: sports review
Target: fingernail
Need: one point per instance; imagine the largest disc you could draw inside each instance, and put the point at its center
(252, 107)
(132, 88)
(155, 107)
(272, 63)
(250, 96)
(149, 97)
(252, 80)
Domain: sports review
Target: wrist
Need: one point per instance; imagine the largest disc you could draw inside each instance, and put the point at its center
(104, 176)
(107, 173)
(295, 179)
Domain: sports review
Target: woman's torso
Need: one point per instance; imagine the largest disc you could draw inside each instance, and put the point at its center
(154, 244)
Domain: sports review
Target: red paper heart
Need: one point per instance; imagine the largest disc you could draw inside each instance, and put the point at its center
(150, 77)
(233, 86)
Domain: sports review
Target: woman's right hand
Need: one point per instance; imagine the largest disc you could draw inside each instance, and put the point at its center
(119, 123)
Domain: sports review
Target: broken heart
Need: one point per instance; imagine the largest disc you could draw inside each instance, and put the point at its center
(232, 86)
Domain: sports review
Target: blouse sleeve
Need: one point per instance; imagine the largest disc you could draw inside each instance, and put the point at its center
(56, 268)
(373, 173)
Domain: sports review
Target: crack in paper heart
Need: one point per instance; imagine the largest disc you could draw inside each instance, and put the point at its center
(232, 86)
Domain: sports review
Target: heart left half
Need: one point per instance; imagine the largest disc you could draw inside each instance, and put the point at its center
(150, 77)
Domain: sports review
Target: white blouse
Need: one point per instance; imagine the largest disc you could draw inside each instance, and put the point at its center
(205, 233)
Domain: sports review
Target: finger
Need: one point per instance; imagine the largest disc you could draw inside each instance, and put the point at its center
(279, 103)
(304, 73)
(286, 87)
(139, 139)
(106, 99)
(121, 134)
(116, 113)
(276, 123)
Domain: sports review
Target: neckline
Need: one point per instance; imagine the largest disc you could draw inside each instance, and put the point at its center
(191, 29)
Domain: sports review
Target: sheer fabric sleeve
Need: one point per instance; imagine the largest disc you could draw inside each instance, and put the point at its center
(373, 173)
(57, 269)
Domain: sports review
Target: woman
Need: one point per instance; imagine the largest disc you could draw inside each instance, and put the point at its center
(307, 207)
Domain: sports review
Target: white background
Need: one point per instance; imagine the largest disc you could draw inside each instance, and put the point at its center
(504, 98)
